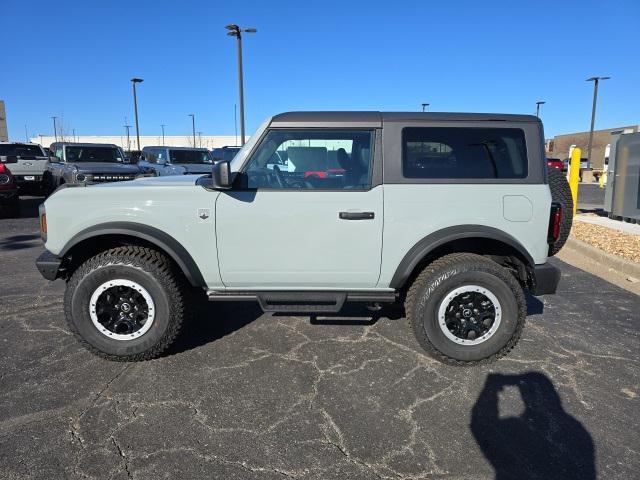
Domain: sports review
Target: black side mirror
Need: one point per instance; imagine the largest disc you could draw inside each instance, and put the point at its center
(221, 175)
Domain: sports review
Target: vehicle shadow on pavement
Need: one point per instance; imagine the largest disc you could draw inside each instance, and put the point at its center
(20, 242)
(534, 305)
(212, 321)
(544, 441)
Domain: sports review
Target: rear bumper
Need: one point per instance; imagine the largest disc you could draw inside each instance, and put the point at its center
(28, 179)
(544, 279)
(49, 265)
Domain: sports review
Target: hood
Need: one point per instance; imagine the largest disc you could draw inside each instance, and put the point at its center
(105, 167)
(195, 167)
(166, 181)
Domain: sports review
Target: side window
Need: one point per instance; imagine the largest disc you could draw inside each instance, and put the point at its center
(59, 153)
(312, 159)
(475, 153)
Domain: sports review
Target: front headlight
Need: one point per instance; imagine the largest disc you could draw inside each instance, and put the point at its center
(83, 177)
(43, 222)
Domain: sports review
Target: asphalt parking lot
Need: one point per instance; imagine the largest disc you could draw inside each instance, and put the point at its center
(252, 395)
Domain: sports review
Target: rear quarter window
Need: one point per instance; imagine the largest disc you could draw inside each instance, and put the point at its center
(464, 153)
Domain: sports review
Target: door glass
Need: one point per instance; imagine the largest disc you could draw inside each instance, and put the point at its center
(312, 159)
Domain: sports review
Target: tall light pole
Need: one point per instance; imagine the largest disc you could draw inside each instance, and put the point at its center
(127, 127)
(200, 139)
(135, 107)
(236, 31)
(193, 127)
(538, 108)
(424, 107)
(162, 127)
(595, 81)
(26, 133)
(55, 128)
(73, 132)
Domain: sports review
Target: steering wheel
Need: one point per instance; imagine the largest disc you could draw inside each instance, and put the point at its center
(279, 177)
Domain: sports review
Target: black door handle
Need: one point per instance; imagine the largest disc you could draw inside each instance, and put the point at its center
(356, 215)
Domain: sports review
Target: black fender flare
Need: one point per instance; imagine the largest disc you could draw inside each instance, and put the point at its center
(441, 237)
(157, 237)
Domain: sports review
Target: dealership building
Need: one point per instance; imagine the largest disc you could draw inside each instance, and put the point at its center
(561, 145)
(205, 141)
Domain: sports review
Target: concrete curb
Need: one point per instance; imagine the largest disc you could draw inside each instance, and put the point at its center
(607, 260)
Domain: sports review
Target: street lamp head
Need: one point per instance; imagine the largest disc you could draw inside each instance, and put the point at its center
(232, 26)
(594, 79)
(250, 30)
(137, 80)
(540, 103)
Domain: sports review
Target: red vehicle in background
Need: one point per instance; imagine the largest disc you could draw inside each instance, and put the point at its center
(9, 200)
(555, 163)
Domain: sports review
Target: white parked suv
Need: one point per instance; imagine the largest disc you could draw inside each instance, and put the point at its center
(29, 161)
(452, 214)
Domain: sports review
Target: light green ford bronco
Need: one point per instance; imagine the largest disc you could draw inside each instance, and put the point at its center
(452, 214)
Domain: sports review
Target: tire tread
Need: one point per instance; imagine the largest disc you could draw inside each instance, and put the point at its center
(451, 260)
(151, 261)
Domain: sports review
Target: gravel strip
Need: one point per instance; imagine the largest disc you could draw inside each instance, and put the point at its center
(611, 241)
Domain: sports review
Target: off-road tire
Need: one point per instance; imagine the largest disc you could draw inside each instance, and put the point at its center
(48, 186)
(153, 271)
(437, 280)
(561, 193)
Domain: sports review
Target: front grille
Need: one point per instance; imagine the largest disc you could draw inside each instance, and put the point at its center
(112, 177)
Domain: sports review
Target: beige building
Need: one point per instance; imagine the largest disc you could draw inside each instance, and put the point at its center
(4, 133)
(560, 145)
(205, 141)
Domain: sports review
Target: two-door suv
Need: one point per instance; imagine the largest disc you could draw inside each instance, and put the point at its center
(161, 161)
(451, 214)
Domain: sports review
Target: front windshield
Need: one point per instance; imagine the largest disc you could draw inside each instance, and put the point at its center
(77, 153)
(241, 156)
(190, 156)
(21, 150)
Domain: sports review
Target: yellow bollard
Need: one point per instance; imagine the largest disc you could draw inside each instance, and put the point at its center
(574, 176)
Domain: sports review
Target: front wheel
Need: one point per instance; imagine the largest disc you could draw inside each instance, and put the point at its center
(466, 309)
(125, 304)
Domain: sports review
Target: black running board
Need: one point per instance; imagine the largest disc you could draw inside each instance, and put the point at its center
(302, 302)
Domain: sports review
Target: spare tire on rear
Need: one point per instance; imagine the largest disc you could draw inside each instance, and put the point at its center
(561, 193)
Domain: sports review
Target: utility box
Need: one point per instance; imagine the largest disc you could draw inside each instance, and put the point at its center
(622, 195)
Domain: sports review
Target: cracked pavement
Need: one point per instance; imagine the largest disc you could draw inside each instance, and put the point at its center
(247, 395)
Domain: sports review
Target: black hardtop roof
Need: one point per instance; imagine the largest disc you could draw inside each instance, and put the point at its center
(373, 116)
(202, 149)
(81, 144)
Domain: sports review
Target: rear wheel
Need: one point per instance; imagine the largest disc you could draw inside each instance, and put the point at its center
(561, 193)
(465, 309)
(126, 304)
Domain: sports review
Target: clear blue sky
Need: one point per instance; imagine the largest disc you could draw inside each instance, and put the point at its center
(75, 58)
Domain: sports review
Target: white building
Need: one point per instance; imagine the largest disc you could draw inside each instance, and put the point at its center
(205, 141)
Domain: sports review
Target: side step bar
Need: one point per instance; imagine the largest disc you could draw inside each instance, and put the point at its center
(302, 302)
